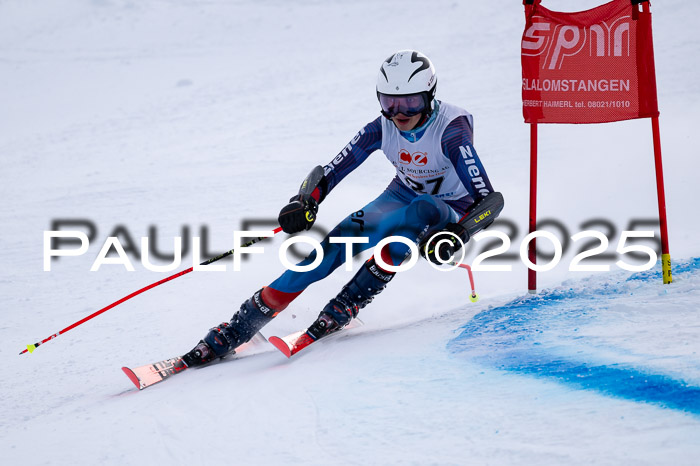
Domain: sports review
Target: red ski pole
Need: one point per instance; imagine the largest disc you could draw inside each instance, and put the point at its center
(473, 297)
(31, 348)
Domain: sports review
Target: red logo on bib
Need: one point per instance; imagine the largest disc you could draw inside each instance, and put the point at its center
(405, 157)
(418, 158)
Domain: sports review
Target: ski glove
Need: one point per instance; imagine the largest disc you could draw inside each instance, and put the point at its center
(299, 214)
(444, 244)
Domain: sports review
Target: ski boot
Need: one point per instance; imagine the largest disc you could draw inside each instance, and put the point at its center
(369, 281)
(204, 352)
(223, 339)
(199, 355)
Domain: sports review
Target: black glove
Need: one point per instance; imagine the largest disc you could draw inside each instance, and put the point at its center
(446, 249)
(299, 214)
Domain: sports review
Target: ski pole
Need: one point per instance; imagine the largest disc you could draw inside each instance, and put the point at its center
(473, 297)
(31, 348)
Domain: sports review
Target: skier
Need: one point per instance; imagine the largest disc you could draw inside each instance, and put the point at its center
(440, 197)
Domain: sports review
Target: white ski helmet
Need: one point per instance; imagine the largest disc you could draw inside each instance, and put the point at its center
(407, 73)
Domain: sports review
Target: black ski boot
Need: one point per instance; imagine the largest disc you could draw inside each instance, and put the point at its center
(200, 355)
(222, 340)
(369, 281)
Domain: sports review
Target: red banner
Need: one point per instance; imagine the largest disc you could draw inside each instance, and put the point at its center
(593, 66)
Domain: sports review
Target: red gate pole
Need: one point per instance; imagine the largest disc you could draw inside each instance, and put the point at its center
(660, 194)
(532, 247)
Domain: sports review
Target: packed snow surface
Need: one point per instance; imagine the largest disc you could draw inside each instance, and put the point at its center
(166, 119)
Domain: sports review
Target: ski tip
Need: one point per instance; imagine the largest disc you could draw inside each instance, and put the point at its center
(129, 373)
(281, 345)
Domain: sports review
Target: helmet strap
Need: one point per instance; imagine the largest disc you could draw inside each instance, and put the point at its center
(426, 114)
(423, 118)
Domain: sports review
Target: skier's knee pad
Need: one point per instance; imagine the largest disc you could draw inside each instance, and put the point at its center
(424, 210)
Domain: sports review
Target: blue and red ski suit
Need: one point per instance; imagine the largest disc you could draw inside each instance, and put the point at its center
(439, 176)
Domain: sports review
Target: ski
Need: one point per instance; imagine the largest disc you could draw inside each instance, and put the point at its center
(151, 374)
(293, 343)
(297, 341)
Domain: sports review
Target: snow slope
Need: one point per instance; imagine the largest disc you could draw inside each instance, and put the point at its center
(182, 115)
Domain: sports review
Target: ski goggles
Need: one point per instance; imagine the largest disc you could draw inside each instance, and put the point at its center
(408, 105)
